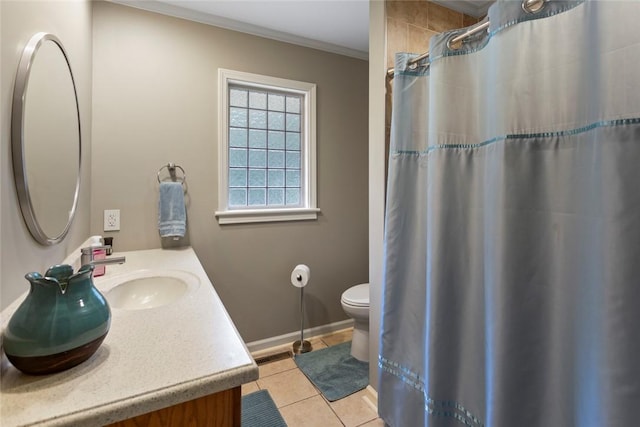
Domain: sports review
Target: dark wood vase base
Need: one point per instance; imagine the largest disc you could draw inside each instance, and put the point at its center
(42, 365)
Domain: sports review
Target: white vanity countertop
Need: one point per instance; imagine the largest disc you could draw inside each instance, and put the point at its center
(150, 359)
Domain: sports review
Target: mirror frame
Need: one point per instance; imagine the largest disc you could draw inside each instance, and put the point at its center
(17, 139)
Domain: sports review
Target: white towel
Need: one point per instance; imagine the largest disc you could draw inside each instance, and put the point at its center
(172, 215)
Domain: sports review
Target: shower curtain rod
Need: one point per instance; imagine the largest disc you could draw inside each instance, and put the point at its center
(471, 31)
(529, 6)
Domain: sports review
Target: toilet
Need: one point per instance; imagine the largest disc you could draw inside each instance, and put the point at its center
(355, 303)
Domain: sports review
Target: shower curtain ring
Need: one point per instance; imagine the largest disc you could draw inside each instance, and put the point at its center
(533, 6)
(455, 42)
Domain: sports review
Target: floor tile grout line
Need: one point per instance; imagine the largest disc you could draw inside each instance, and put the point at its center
(337, 415)
(305, 377)
(328, 403)
(326, 343)
(325, 402)
(299, 401)
(276, 373)
(332, 410)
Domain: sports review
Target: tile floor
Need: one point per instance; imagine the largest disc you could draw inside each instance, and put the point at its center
(300, 402)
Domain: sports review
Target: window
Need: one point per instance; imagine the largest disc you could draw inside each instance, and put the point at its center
(267, 150)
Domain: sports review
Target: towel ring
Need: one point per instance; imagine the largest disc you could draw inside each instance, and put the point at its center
(171, 167)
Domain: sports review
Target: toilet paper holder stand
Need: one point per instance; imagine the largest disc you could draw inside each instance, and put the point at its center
(301, 345)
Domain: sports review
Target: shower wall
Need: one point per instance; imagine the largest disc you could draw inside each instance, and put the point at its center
(410, 25)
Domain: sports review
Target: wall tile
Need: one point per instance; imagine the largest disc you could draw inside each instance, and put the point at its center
(443, 19)
(410, 26)
(388, 102)
(418, 13)
(418, 39)
(396, 39)
(412, 12)
(469, 20)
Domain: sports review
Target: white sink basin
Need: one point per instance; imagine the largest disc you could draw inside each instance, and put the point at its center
(145, 289)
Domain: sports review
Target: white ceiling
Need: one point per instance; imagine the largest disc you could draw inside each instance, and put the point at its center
(339, 26)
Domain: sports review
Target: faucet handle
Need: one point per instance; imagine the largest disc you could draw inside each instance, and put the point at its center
(86, 254)
(89, 249)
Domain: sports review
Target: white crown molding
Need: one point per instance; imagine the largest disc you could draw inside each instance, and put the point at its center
(231, 24)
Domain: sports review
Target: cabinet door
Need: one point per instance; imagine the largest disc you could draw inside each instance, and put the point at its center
(215, 410)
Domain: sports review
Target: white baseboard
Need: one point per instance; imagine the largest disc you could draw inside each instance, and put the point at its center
(289, 338)
(371, 398)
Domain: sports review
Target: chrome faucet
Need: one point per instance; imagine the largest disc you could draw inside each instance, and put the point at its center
(87, 257)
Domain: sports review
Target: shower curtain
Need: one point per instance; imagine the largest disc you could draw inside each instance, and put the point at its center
(511, 293)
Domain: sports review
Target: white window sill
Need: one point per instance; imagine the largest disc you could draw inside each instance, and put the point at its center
(242, 216)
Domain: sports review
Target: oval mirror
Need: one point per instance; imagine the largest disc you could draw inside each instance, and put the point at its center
(45, 139)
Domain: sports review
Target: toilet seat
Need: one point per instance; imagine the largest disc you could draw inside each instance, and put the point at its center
(356, 296)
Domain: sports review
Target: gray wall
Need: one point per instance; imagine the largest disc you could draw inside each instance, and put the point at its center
(155, 101)
(71, 22)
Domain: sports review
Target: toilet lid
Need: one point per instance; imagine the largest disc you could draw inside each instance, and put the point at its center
(357, 295)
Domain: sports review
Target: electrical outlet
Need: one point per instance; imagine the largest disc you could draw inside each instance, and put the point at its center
(112, 219)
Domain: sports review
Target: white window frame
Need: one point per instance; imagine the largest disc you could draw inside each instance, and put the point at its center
(309, 209)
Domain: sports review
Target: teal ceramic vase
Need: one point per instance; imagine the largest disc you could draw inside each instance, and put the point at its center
(60, 324)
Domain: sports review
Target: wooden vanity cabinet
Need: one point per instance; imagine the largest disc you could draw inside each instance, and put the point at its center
(220, 409)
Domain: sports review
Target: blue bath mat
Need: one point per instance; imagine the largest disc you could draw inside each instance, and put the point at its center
(334, 371)
(259, 410)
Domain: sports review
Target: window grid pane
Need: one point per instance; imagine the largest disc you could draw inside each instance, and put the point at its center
(293, 104)
(238, 98)
(267, 171)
